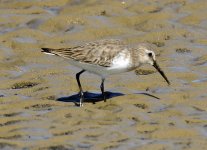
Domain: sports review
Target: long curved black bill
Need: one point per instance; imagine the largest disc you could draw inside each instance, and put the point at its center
(161, 72)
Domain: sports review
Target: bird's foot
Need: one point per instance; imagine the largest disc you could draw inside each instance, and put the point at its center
(81, 98)
(81, 104)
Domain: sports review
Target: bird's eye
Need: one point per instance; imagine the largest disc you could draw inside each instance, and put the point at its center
(150, 54)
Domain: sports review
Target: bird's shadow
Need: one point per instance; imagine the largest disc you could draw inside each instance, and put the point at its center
(96, 97)
(89, 97)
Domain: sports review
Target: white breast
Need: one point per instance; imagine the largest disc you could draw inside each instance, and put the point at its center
(121, 63)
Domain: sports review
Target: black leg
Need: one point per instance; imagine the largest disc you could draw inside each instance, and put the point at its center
(80, 88)
(102, 89)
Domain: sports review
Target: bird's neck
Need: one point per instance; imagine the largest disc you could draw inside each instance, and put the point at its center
(135, 58)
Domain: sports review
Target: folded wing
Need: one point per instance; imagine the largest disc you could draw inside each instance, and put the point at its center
(99, 53)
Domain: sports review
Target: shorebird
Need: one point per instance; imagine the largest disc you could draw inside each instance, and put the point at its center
(107, 57)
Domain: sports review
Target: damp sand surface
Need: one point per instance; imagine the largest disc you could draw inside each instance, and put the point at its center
(37, 91)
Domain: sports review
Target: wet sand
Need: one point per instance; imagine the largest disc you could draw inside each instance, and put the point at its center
(37, 91)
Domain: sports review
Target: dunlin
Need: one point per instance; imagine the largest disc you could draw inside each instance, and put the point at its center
(107, 57)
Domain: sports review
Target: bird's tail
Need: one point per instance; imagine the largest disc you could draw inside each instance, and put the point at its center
(47, 51)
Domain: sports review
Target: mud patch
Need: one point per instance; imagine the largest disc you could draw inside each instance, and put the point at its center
(24, 84)
(38, 107)
(144, 72)
(183, 50)
(58, 147)
(6, 146)
(10, 122)
(64, 133)
(12, 114)
(11, 137)
(142, 106)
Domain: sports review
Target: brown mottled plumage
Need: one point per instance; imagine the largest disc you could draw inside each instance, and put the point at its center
(98, 53)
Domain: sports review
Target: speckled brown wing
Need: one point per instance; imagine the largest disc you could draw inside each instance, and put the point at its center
(99, 52)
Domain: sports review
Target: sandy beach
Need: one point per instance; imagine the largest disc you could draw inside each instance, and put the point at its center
(37, 91)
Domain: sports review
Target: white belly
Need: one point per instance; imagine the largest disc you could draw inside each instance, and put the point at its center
(117, 67)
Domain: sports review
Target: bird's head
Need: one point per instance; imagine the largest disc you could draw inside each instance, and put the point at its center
(147, 56)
